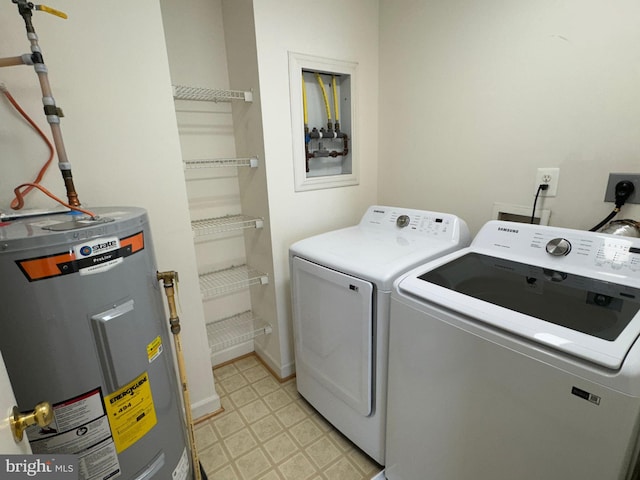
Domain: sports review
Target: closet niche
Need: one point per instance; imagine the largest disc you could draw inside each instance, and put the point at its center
(224, 182)
(218, 223)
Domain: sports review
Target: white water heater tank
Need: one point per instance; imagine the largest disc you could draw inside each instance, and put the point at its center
(84, 328)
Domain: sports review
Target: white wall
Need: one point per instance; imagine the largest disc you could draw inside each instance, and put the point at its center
(7, 401)
(475, 96)
(109, 72)
(335, 29)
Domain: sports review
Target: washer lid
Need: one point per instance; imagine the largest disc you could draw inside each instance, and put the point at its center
(591, 318)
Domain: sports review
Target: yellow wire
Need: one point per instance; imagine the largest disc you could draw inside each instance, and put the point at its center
(324, 95)
(304, 102)
(335, 98)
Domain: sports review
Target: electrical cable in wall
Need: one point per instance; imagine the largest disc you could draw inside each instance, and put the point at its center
(20, 198)
(22, 190)
(17, 204)
(541, 188)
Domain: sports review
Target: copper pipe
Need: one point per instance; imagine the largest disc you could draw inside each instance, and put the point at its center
(11, 61)
(174, 321)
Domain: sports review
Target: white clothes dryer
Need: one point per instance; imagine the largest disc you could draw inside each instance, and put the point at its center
(341, 285)
(518, 358)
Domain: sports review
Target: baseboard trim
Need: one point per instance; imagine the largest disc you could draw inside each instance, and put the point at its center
(205, 407)
(281, 372)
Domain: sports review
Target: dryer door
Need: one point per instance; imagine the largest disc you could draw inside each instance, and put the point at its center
(333, 321)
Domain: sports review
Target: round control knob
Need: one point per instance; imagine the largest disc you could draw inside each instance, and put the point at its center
(558, 247)
(403, 221)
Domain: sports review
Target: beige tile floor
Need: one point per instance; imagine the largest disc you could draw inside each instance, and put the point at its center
(269, 432)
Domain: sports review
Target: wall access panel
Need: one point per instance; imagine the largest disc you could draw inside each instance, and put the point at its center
(323, 110)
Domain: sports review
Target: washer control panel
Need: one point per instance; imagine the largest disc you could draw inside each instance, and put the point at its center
(545, 245)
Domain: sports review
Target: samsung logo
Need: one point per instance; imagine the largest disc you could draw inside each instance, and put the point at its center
(378, 211)
(508, 230)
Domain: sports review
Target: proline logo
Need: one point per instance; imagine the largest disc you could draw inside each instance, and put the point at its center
(58, 467)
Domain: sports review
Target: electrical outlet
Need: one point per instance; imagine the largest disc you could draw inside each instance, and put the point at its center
(548, 176)
(614, 178)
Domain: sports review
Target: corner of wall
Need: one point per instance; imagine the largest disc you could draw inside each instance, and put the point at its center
(281, 371)
(206, 406)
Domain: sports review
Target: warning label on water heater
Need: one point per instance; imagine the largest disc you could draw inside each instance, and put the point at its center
(98, 256)
(131, 412)
(80, 427)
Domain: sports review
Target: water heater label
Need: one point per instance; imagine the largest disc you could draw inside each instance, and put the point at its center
(131, 412)
(99, 255)
(182, 469)
(94, 256)
(80, 427)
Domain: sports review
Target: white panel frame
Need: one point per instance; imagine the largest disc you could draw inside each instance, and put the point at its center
(297, 63)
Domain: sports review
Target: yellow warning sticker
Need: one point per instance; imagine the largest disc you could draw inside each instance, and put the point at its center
(154, 349)
(131, 412)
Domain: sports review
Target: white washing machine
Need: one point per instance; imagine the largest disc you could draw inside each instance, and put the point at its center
(341, 285)
(517, 358)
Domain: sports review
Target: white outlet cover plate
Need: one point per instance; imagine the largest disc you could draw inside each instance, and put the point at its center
(553, 184)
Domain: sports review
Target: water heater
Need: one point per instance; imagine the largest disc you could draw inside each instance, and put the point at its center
(84, 328)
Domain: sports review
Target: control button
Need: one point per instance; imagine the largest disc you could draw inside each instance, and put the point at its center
(554, 275)
(402, 221)
(558, 247)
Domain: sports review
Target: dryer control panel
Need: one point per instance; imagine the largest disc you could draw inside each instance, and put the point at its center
(410, 221)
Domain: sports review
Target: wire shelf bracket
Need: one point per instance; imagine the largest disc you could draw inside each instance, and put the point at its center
(199, 94)
(251, 162)
(228, 280)
(228, 223)
(234, 330)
